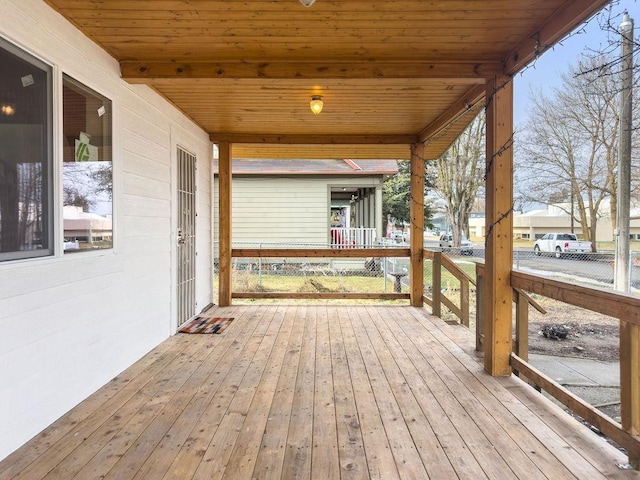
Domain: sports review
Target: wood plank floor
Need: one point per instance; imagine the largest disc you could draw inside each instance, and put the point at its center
(316, 392)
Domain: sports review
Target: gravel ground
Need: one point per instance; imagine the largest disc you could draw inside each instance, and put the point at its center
(589, 334)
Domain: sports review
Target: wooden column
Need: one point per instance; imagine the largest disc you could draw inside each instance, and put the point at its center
(378, 214)
(416, 229)
(224, 223)
(499, 226)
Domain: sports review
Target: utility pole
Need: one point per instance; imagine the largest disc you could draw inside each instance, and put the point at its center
(573, 199)
(624, 157)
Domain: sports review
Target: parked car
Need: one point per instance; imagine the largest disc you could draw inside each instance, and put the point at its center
(398, 236)
(559, 243)
(446, 242)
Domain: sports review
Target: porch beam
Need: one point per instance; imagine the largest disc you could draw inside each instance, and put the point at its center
(311, 139)
(224, 224)
(359, 151)
(499, 225)
(469, 103)
(416, 228)
(560, 24)
(144, 71)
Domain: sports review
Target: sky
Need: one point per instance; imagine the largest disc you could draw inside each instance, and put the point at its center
(546, 71)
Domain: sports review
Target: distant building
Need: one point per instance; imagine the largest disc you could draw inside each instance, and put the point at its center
(85, 227)
(534, 224)
(308, 202)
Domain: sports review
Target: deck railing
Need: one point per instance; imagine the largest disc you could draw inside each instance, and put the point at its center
(318, 264)
(461, 307)
(624, 307)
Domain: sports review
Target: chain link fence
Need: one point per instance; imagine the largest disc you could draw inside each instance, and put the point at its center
(594, 269)
(315, 274)
(386, 275)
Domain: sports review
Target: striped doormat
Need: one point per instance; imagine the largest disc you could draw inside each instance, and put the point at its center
(207, 325)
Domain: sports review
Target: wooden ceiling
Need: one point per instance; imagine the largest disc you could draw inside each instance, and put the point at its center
(391, 72)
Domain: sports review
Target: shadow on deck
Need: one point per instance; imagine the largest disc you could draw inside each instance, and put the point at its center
(316, 392)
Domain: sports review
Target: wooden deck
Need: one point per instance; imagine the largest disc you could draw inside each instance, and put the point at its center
(316, 392)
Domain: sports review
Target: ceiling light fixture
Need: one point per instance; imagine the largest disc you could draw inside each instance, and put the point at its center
(307, 3)
(8, 109)
(316, 104)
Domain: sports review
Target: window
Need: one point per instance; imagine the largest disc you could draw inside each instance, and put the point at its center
(87, 174)
(26, 207)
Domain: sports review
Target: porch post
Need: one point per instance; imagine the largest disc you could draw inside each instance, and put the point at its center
(224, 220)
(416, 229)
(499, 226)
(372, 209)
(378, 219)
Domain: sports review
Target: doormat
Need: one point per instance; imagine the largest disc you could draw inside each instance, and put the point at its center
(206, 325)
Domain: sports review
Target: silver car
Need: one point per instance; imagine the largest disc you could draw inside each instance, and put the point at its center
(446, 243)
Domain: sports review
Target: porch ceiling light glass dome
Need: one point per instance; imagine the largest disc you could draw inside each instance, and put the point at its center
(316, 104)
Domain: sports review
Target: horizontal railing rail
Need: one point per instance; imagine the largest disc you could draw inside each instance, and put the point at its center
(319, 252)
(607, 302)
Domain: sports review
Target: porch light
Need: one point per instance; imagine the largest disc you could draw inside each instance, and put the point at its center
(307, 3)
(8, 109)
(316, 103)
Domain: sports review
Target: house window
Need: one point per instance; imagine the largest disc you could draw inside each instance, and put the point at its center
(26, 207)
(87, 174)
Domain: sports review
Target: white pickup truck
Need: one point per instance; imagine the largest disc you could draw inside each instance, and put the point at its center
(559, 243)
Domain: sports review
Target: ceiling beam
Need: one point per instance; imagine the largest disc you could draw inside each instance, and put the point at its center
(560, 24)
(311, 139)
(145, 71)
(467, 103)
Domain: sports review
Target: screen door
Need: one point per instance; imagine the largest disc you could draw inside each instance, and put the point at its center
(186, 249)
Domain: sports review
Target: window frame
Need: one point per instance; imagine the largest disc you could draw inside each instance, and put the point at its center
(74, 80)
(49, 176)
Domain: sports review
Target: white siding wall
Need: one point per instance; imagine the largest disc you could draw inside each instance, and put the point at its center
(71, 323)
(279, 210)
(284, 210)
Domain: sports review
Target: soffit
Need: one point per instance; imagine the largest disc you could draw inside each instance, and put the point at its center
(391, 72)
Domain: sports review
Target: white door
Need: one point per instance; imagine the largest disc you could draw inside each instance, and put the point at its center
(186, 249)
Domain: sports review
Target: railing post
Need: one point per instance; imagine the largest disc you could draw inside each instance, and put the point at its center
(436, 275)
(479, 307)
(464, 301)
(384, 272)
(630, 382)
(521, 347)
(260, 267)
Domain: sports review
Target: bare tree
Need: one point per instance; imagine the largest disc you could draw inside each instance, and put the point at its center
(569, 152)
(460, 175)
